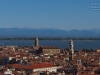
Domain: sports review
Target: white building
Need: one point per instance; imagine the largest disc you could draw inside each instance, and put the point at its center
(8, 72)
(50, 69)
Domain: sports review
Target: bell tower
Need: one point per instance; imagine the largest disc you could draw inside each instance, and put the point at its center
(36, 41)
(71, 51)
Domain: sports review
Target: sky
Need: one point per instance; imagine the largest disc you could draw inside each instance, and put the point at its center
(57, 14)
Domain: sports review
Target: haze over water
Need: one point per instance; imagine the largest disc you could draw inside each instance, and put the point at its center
(78, 44)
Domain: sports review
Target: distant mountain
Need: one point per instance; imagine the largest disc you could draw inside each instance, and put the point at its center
(30, 32)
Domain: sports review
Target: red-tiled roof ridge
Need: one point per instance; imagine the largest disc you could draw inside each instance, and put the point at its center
(33, 66)
(2, 74)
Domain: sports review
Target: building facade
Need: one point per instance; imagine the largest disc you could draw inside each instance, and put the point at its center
(50, 50)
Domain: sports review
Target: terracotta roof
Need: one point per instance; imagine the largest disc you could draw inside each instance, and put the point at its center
(78, 57)
(2, 74)
(34, 66)
(36, 47)
(88, 74)
(15, 72)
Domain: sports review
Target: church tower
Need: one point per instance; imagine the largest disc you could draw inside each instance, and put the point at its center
(36, 41)
(71, 51)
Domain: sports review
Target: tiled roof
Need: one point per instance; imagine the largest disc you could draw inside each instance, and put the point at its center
(36, 47)
(34, 66)
(88, 74)
(2, 74)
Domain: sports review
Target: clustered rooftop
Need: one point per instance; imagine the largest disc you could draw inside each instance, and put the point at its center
(47, 60)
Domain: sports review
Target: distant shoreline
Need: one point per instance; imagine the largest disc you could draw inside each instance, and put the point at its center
(88, 39)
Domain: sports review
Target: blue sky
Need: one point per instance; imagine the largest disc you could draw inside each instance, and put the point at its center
(58, 14)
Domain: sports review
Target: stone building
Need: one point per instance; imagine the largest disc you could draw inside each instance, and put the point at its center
(49, 50)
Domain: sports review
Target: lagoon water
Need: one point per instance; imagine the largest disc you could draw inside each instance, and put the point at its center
(78, 44)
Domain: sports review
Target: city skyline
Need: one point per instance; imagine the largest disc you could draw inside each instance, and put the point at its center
(64, 15)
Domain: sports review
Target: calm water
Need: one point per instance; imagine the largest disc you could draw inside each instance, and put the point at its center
(78, 44)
